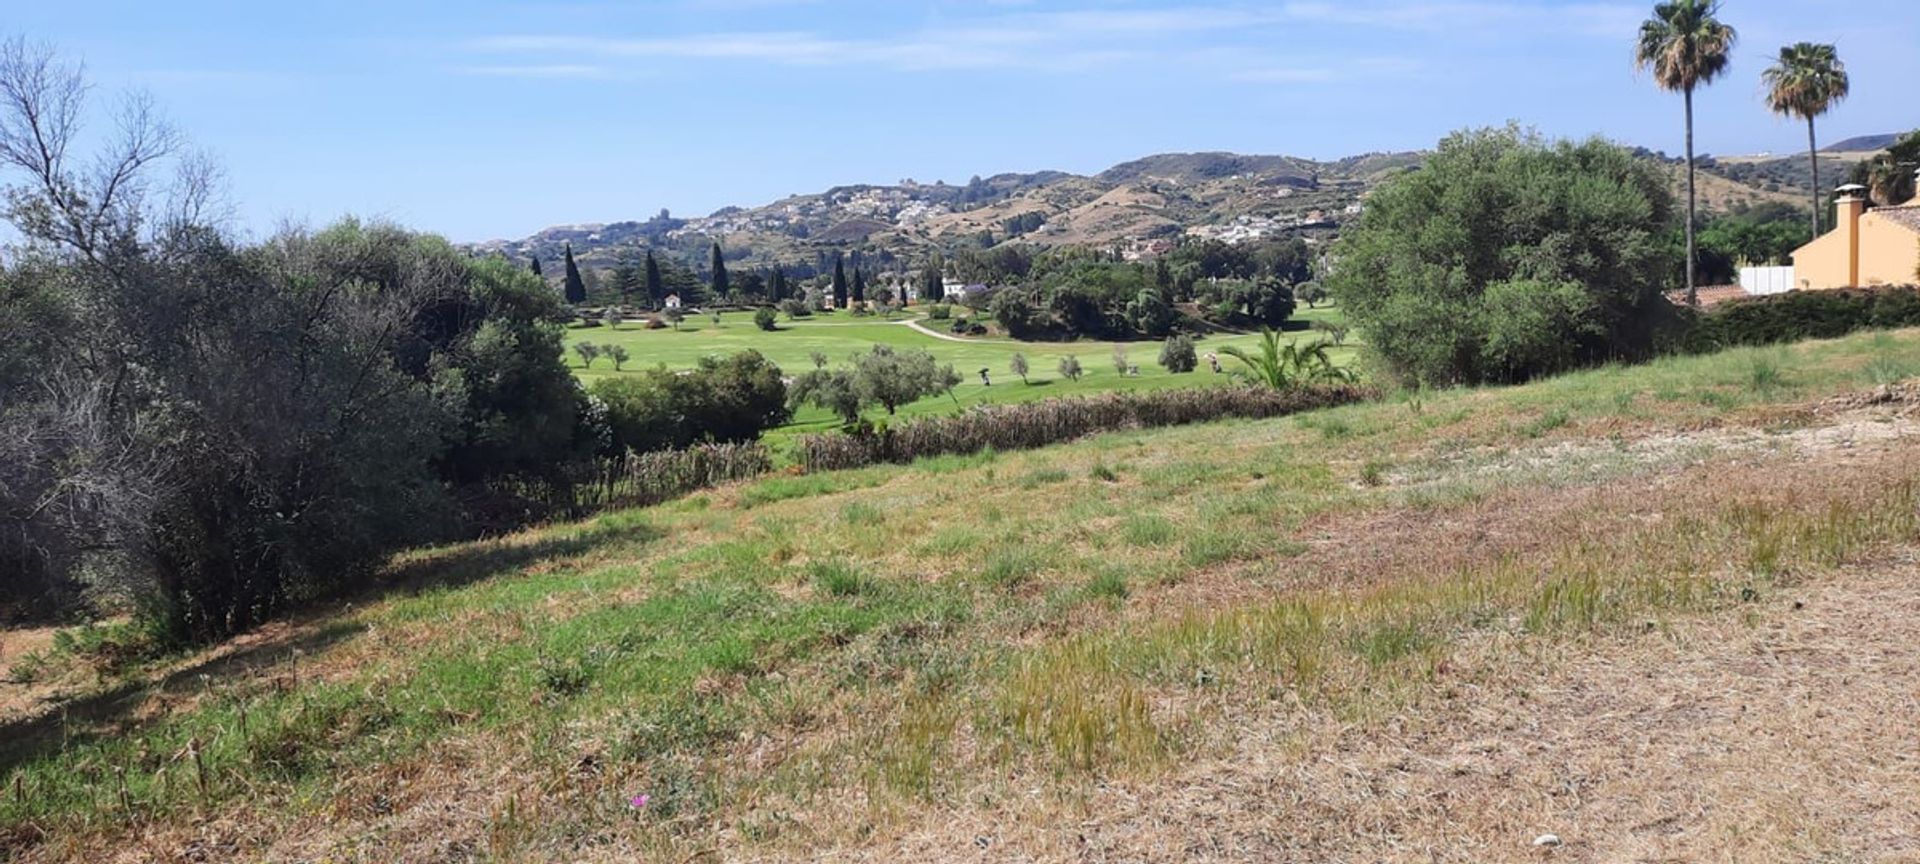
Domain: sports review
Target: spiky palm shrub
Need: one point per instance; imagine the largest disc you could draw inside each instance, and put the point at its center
(1281, 366)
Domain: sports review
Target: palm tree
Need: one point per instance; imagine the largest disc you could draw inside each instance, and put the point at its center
(1888, 181)
(1685, 46)
(1806, 81)
(1283, 366)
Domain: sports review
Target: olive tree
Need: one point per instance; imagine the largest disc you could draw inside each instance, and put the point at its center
(1508, 256)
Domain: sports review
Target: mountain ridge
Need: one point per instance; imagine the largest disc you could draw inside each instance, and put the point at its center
(1127, 207)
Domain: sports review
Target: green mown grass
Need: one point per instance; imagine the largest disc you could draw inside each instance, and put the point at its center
(839, 336)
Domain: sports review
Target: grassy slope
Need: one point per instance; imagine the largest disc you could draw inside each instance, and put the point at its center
(834, 661)
(839, 336)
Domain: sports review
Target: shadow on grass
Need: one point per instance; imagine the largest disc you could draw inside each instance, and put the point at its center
(116, 711)
(119, 710)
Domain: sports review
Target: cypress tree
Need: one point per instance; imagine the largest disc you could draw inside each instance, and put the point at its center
(839, 283)
(536, 265)
(576, 288)
(719, 274)
(656, 289)
(932, 288)
(777, 284)
(859, 285)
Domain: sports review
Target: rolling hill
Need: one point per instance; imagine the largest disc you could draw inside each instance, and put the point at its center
(1230, 196)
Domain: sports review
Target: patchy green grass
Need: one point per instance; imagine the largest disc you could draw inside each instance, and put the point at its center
(906, 636)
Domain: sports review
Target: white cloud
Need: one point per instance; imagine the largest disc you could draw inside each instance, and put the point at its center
(554, 70)
(1091, 39)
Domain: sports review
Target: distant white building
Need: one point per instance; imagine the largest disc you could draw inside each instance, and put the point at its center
(672, 301)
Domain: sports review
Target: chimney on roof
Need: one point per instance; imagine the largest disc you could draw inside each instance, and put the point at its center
(1849, 203)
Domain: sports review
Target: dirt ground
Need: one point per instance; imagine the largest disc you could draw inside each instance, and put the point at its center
(1787, 730)
(1792, 734)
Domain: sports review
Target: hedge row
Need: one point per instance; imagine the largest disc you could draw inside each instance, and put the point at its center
(642, 479)
(1797, 315)
(1026, 425)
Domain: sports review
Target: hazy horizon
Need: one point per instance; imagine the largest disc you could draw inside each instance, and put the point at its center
(494, 120)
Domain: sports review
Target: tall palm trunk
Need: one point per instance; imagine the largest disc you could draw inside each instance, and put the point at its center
(1693, 292)
(1813, 156)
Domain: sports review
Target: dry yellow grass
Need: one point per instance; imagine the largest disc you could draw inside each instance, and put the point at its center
(1661, 612)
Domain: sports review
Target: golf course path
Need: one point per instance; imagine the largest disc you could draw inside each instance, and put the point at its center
(915, 324)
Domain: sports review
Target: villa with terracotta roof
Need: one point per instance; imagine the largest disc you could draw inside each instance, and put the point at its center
(1877, 246)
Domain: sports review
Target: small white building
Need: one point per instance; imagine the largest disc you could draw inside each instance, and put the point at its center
(672, 302)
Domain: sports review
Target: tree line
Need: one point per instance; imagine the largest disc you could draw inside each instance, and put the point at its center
(205, 432)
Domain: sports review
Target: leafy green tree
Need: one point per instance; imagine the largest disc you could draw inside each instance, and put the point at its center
(833, 389)
(1070, 368)
(719, 267)
(1269, 301)
(727, 399)
(765, 319)
(1018, 363)
(1805, 82)
(1496, 206)
(1178, 355)
(674, 316)
(1015, 311)
(575, 288)
(618, 354)
(1152, 315)
(1528, 324)
(588, 352)
(1686, 46)
(890, 378)
(944, 380)
(383, 369)
(882, 376)
(1310, 293)
(1290, 365)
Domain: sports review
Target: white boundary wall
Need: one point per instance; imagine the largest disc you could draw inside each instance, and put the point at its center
(1766, 280)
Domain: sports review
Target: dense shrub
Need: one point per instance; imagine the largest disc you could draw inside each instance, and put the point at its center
(764, 318)
(724, 400)
(1038, 424)
(1178, 354)
(1508, 257)
(1797, 315)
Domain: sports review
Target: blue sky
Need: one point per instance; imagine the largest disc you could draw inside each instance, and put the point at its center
(493, 119)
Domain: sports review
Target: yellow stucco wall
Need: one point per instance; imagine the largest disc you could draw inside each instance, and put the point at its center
(1889, 252)
(1822, 263)
(1889, 255)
